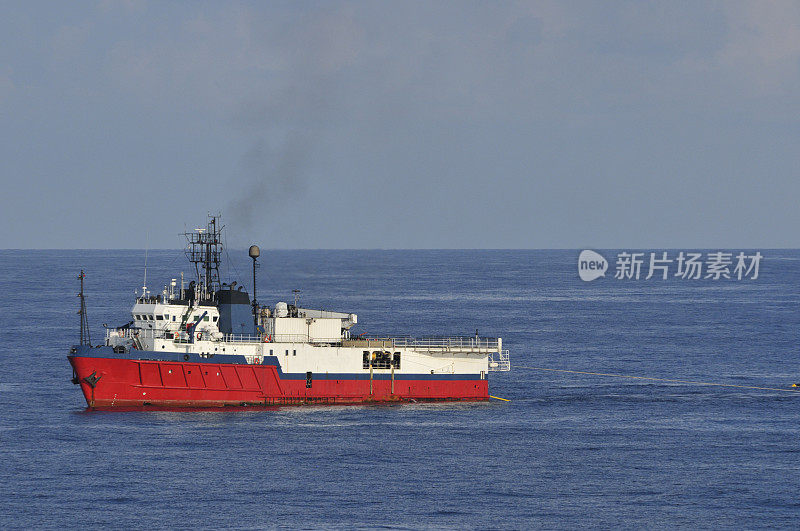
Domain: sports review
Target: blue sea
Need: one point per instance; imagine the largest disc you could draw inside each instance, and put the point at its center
(569, 450)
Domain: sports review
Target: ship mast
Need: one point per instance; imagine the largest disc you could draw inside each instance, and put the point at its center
(204, 250)
(85, 337)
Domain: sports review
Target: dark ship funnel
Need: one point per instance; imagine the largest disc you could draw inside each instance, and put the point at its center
(234, 312)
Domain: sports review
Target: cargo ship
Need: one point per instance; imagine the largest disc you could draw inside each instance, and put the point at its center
(205, 343)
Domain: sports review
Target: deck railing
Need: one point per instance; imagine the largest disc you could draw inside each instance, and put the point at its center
(182, 337)
(430, 343)
(500, 361)
(439, 342)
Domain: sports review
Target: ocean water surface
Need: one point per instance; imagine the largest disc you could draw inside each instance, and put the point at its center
(568, 449)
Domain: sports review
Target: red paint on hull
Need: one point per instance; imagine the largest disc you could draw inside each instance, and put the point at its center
(136, 383)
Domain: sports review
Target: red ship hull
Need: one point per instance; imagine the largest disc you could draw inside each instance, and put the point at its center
(121, 382)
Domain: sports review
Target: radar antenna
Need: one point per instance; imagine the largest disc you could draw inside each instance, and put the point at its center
(204, 250)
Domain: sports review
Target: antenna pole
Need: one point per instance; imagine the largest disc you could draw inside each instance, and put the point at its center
(144, 284)
(255, 303)
(254, 253)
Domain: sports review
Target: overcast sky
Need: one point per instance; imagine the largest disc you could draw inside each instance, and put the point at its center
(401, 124)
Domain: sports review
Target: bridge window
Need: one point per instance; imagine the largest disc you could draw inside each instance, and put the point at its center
(159, 317)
